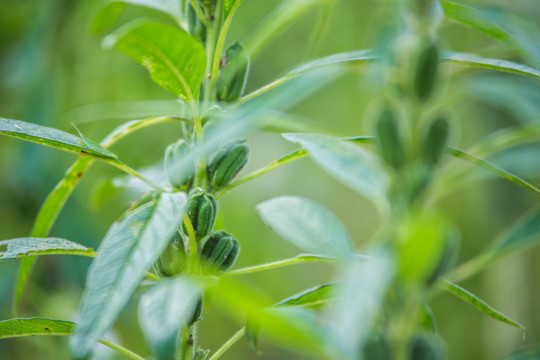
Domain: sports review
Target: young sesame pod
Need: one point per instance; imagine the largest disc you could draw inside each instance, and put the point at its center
(233, 76)
(196, 27)
(227, 163)
(425, 75)
(220, 249)
(201, 210)
(180, 175)
(435, 141)
(173, 259)
(389, 140)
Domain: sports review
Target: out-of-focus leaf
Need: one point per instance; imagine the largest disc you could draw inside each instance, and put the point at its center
(348, 163)
(498, 23)
(528, 354)
(53, 138)
(490, 64)
(307, 225)
(313, 298)
(16, 248)
(163, 310)
(479, 304)
(360, 298)
(277, 21)
(34, 326)
(129, 248)
(524, 234)
(58, 196)
(176, 61)
(110, 12)
(492, 168)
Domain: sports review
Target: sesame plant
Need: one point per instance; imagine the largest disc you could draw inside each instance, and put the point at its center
(166, 249)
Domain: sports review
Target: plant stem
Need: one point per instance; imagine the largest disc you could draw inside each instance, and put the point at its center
(300, 259)
(228, 344)
(125, 168)
(193, 245)
(128, 353)
(185, 346)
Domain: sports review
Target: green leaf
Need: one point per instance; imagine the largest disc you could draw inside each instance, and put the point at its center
(348, 163)
(163, 310)
(53, 138)
(110, 12)
(491, 168)
(128, 250)
(34, 326)
(313, 298)
(176, 60)
(522, 235)
(307, 225)
(58, 196)
(498, 23)
(528, 354)
(479, 304)
(16, 248)
(490, 64)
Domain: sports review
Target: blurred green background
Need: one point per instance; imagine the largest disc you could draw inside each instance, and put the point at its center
(54, 72)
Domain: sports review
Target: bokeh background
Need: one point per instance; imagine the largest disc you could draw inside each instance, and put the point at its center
(54, 72)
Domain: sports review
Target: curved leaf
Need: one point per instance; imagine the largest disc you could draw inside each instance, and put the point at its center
(490, 64)
(313, 298)
(307, 225)
(16, 248)
(163, 310)
(54, 138)
(176, 60)
(479, 304)
(129, 248)
(348, 163)
(492, 168)
(34, 326)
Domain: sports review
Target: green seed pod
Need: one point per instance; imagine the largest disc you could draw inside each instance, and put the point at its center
(425, 75)
(389, 140)
(233, 76)
(201, 210)
(173, 259)
(220, 249)
(435, 141)
(179, 176)
(196, 27)
(227, 163)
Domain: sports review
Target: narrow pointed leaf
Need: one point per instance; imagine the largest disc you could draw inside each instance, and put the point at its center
(486, 165)
(313, 298)
(307, 225)
(128, 250)
(16, 248)
(54, 138)
(163, 310)
(58, 196)
(348, 163)
(522, 235)
(479, 304)
(490, 64)
(34, 326)
(176, 60)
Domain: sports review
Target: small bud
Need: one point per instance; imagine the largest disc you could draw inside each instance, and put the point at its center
(435, 141)
(201, 210)
(233, 77)
(389, 140)
(179, 176)
(173, 259)
(426, 72)
(220, 249)
(227, 163)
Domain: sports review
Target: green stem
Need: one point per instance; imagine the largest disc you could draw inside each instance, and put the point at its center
(200, 13)
(185, 347)
(193, 245)
(128, 353)
(120, 165)
(227, 345)
(300, 259)
(211, 53)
